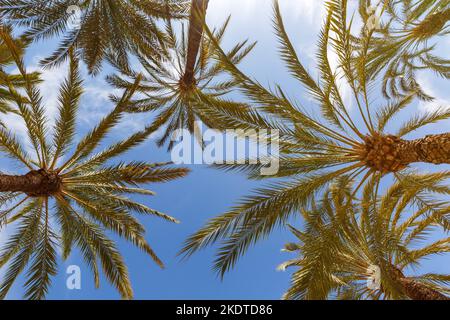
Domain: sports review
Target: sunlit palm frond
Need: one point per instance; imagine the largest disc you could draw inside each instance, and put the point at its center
(10, 81)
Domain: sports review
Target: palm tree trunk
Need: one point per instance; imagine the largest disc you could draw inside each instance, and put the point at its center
(391, 154)
(34, 183)
(198, 13)
(432, 149)
(415, 290)
(418, 291)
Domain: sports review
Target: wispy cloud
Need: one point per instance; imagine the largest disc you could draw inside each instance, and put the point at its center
(310, 10)
(94, 105)
(432, 88)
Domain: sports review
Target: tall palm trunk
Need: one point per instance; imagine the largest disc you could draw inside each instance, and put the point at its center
(34, 183)
(432, 149)
(415, 290)
(391, 154)
(198, 13)
(418, 291)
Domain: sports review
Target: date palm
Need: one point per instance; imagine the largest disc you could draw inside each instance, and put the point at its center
(100, 29)
(179, 102)
(315, 152)
(363, 251)
(402, 45)
(71, 195)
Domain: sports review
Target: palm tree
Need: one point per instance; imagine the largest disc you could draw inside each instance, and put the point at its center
(105, 28)
(179, 102)
(70, 196)
(314, 152)
(401, 46)
(15, 80)
(362, 251)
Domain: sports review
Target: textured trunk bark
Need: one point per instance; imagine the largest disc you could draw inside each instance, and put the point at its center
(34, 183)
(391, 154)
(432, 149)
(418, 291)
(198, 13)
(413, 289)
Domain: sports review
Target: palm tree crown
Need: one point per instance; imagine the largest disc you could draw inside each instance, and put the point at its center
(180, 104)
(362, 251)
(102, 28)
(401, 45)
(71, 196)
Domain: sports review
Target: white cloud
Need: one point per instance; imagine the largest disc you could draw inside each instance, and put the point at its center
(301, 16)
(430, 87)
(95, 99)
(255, 16)
(49, 92)
(17, 126)
(255, 9)
(52, 79)
(94, 105)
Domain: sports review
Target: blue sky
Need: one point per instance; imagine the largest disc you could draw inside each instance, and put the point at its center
(205, 192)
